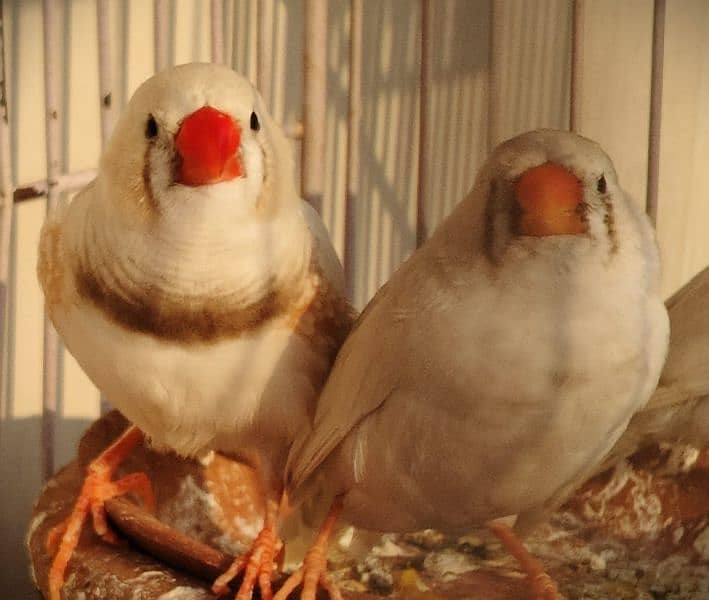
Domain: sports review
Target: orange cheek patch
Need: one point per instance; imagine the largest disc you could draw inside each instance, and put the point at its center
(550, 198)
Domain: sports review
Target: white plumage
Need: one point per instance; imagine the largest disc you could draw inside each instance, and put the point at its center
(678, 410)
(494, 370)
(208, 314)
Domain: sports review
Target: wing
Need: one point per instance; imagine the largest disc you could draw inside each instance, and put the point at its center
(326, 255)
(686, 372)
(674, 411)
(64, 220)
(366, 371)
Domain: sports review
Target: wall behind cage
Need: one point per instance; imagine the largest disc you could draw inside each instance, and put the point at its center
(495, 68)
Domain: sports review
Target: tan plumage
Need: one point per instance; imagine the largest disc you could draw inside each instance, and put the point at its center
(496, 368)
(678, 410)
(208, 313)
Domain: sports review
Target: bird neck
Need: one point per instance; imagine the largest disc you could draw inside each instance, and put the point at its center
(168, 271)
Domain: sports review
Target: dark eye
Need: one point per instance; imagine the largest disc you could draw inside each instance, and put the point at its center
(255, 125)
(601, 185)
(151, 127)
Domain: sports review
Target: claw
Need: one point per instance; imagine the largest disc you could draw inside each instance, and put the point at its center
(313, 573)
(97, 488)
(257, 565)
(542, 585)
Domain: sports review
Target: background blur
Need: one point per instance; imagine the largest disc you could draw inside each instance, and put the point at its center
(499, 67)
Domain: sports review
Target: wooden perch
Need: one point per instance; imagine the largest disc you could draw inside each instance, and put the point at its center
(170, 546)
(165, 543)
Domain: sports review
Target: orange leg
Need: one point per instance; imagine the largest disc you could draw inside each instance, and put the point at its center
(543, 586)
(97, 488)
(313, 572)
(257, 563)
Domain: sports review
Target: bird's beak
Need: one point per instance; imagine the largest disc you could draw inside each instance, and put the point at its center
(207, 144)
(550, 199)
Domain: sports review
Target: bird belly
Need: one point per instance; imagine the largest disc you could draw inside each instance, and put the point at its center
(253, 389)
(527, 429)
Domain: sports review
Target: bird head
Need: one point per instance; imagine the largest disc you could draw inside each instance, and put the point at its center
(195, 194)
(194, 139)
(549, 187)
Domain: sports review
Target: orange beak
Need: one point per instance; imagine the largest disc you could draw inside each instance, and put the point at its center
(206, 143)
(550, 198)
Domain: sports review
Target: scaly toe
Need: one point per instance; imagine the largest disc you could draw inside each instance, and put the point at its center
(544, 588)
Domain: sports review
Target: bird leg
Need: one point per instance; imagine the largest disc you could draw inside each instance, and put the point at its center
(257, 563)
(543, 586)
(96, 489)
(314, 568)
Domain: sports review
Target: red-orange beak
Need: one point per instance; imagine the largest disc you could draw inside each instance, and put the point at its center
(207, 142)
(550, 198)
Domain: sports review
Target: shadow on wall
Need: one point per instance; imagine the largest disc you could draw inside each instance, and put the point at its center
(385, 212)
(21, 479)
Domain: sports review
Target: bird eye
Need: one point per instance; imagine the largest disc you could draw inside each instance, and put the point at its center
(255, 125)
(151, 127)
(601, 185)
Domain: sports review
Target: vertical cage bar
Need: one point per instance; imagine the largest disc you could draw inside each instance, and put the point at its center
(353, 124)
(425, 77)
(6, 209)
(314, 102)
(234, 60)
(576, 58)
(493, 96)
(105, 94)
(50, 380)
(653, 147)
(217, 33)
(264, 46)
(104, 68)
(161, 33)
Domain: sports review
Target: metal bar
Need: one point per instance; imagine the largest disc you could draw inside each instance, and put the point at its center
(264, 61)
(104, 68)
(161, 33)
(6, 209)
(425, 77)
(314, 102)
(353, 126)
(234, 60)
(104, 77)
(50, 380)
(576, 64)
(217, 25)
(493, 99)
(64, 182)
(653, 147)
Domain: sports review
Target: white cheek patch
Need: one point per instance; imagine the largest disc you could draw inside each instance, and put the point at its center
(160, 163)
(253, 161)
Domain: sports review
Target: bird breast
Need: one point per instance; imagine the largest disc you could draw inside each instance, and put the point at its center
(511, 393)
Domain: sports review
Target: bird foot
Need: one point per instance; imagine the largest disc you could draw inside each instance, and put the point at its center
(312, 574)
(96, 489)
(543, 587)
(541, 584)
(257, 565)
